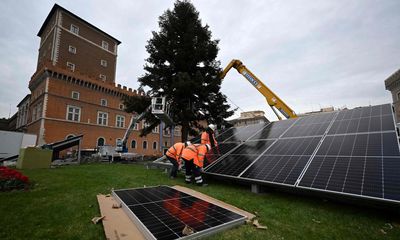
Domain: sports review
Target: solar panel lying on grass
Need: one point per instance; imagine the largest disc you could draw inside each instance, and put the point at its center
(353, 152)
(163, 212)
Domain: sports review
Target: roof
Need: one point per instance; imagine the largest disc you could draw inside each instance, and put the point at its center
(58, 7)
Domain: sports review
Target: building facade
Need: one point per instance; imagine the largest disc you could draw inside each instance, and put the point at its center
(392, 83)
(249, 118)
(73, 90)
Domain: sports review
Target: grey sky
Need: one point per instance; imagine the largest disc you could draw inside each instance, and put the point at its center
(311, 53)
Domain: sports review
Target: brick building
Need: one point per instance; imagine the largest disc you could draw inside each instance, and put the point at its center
(392, 83)
(73, 90)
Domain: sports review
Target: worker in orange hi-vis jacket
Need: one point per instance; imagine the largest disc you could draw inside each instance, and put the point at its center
(208, 137)
(173, 154)
(193, 156)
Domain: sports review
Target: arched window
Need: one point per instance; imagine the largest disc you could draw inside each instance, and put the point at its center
(133, 144)
(101, 141)
(144, 144)
(70, 136)
(154, 145)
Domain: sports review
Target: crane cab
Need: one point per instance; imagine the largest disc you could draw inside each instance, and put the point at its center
(160, 109)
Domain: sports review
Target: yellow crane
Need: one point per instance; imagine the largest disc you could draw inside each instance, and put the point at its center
(272, 99)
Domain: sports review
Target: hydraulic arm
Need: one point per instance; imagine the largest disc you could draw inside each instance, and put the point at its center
(272, 99)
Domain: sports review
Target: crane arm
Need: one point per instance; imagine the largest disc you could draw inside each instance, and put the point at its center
(131, 126)
(273, 100)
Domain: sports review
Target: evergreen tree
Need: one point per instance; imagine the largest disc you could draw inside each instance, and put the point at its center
(182, 66)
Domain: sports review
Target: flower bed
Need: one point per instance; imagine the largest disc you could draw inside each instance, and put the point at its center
(11, 179)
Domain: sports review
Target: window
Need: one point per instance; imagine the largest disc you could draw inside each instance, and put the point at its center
(167, 131)
(118, 142)
(103, 77)
(103, 63)
(75, 95)
(101, 141)
(74, 29)
(145, 124)
(70, 136)
(156, 129)
(136, 127)
(121, 106)
(39, 111)
(133, 144)
(34, 113)
(104, 45)
(72, 49)
(154, 145)
(102, 118)
(120, 121)
(166, 144)
(73, 113)
(144, 144)
(71, 66)
(103, 102)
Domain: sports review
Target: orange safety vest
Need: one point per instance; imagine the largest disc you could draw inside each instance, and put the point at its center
(175, 151)
(189, 153)
(205, 138)
(201, 153)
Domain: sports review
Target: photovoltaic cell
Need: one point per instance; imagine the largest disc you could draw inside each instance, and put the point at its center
(253, 147)
(163, 212)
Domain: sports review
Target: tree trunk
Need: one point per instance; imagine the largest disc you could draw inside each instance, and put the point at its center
(184, 131)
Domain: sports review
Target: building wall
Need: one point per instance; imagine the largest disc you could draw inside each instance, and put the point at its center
(89, 51)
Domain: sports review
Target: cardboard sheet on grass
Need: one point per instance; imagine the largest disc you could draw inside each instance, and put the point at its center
(118, 226)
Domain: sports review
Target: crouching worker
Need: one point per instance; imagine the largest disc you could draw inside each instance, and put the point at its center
(193, 156)
(173, 154)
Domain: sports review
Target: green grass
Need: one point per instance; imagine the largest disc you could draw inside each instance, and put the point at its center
(63, 202)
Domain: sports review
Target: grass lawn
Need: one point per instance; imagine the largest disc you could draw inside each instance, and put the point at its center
(63, 202)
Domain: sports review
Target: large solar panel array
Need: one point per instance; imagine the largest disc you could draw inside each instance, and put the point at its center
(163, 212)
(353, 152)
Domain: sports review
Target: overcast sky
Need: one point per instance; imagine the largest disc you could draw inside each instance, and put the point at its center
(312, 54)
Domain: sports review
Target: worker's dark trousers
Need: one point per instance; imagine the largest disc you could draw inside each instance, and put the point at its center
(188, 167)
(197, 175)
(191, 168)
(175, 166)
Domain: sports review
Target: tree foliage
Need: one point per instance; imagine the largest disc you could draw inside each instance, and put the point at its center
(182, 66)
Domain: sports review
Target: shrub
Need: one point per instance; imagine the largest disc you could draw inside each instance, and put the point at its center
(11, 179)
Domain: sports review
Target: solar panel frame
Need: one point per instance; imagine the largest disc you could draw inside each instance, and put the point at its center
(149, 235)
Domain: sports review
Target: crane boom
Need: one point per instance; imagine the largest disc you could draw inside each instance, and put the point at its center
(272, 99)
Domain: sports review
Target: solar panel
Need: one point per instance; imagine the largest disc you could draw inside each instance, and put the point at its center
(246, 132)
(273, 130)
(284, 161)
(310, 126)
(359, 156)
(354, 152)
(163, 212)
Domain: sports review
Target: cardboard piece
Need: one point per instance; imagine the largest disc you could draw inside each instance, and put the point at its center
(32, 157)
(118, 226)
